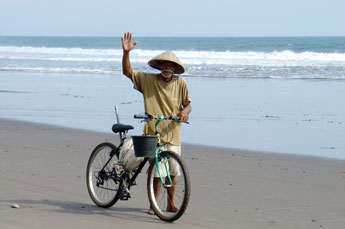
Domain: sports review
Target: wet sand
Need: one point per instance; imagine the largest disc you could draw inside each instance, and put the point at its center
(291, 116)
(43, 171)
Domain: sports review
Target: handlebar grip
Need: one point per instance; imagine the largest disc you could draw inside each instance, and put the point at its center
(145, 116)
(179, 120)
(140, 116)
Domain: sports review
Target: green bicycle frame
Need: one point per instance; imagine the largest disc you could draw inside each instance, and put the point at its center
(159, 149)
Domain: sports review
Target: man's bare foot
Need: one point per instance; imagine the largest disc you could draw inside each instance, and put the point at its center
(172, 209)
(151, 212)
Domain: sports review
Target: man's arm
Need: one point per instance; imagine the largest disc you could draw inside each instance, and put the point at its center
(126, 65)
(127, 46)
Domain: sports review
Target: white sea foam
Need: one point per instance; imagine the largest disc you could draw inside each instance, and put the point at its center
(71, 59)
(283, 58)
(59, 70)
(282, 64)
(58, 51)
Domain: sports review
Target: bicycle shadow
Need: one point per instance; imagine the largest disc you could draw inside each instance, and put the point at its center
(65, 207)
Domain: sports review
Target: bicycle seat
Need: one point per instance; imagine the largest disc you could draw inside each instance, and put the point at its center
(121, 128)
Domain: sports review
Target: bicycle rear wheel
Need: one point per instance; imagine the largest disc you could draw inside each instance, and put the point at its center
(103, 185)
(178, 195)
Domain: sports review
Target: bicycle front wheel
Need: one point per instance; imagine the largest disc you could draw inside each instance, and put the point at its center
(102, 175)
(169, 201)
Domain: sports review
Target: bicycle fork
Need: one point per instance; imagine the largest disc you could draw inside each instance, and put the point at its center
(166, 166)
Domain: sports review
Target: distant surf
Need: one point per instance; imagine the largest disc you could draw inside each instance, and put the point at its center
(287, 60)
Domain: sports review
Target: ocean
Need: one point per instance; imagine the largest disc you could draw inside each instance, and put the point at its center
(299, 57)
(273, 94)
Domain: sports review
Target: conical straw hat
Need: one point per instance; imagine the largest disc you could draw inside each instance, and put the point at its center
(167, 56)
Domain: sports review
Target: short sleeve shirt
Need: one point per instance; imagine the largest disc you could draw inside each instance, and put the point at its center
(163, 98)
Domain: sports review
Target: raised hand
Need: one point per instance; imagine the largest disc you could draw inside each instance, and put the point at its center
(127, 44)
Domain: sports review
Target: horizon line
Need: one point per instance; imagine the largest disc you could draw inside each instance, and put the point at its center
(268, 36)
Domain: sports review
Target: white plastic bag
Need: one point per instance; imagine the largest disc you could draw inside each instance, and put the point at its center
(127, 156)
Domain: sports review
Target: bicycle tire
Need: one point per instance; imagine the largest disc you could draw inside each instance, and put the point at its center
(182, 192)
(107, 193)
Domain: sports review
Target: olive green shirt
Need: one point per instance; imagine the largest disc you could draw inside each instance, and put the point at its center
(163, 98)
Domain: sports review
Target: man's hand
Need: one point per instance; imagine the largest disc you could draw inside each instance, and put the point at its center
(127, 44)
(184, 113)
(183, 117)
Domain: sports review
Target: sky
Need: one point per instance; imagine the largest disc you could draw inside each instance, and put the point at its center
(210, 18)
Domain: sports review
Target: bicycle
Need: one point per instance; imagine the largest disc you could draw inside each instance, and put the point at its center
(108, 181)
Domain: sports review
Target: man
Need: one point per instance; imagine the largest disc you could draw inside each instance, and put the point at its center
(164, 94)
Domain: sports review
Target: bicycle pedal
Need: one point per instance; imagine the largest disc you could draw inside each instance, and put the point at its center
(125, 196)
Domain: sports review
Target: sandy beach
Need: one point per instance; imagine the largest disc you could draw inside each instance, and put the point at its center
(43, 171)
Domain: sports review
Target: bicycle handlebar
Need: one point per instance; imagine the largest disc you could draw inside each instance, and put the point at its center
(148, 117)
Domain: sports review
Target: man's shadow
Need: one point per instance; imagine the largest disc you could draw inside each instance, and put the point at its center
(88, 209)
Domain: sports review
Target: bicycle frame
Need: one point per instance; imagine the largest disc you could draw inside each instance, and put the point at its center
(158, 150)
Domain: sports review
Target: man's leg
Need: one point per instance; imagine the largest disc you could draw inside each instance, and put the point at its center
(171, 196)
(174, 171)
(157, 184)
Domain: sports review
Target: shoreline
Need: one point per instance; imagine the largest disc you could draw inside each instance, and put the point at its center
(184, 144)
